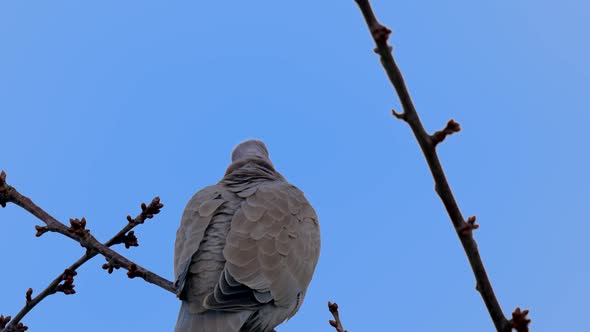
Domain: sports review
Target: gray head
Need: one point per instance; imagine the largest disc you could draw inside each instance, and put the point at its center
(252, 148)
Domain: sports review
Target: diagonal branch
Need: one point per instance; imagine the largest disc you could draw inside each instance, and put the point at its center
(78, 233)
(125, 236)
(428, 144)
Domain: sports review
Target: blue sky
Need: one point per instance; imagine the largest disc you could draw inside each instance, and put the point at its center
(107, 104)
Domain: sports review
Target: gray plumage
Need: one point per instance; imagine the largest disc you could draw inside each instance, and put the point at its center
(245, 250)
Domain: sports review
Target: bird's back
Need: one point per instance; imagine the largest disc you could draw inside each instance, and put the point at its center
(245, 252)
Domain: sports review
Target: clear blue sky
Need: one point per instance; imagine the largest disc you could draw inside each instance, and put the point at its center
(107, 104)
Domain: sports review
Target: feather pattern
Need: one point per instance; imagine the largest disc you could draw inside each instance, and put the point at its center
(245, 250)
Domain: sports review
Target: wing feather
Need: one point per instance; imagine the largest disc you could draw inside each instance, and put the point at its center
(272, 249)
(196, 217)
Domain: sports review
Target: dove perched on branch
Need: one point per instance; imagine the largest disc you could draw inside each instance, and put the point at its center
(246, 249)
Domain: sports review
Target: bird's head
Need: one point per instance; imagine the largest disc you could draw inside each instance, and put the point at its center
(250, 149)
(251, 152)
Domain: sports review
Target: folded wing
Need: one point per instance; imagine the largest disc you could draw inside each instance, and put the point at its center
(271, 250)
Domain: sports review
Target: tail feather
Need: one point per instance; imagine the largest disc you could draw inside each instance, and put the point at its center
(209, 321)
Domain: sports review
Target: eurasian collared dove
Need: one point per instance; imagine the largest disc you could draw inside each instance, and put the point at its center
(245, 250)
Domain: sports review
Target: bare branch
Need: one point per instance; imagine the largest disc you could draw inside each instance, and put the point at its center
(428, 143)
(336, 323)
(77, 231)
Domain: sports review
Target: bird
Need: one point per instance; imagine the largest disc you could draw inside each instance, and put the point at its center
(246, 248)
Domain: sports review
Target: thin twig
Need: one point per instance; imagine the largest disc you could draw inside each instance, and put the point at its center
(78, 233)
(428, 143)
(336, 323)
(125, 235)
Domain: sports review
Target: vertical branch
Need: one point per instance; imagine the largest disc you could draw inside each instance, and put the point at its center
(428, 145)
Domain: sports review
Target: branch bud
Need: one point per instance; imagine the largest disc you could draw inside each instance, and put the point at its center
(3, 189)
(67, 287)
(110, 266)
(468, 226)
(451, 128)
(148, 211)
(4, 320)
(41, 230)
(28, 295)
(134, 272)
(129, 239)
(380, 32)
(519, 320)
(78, 227)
